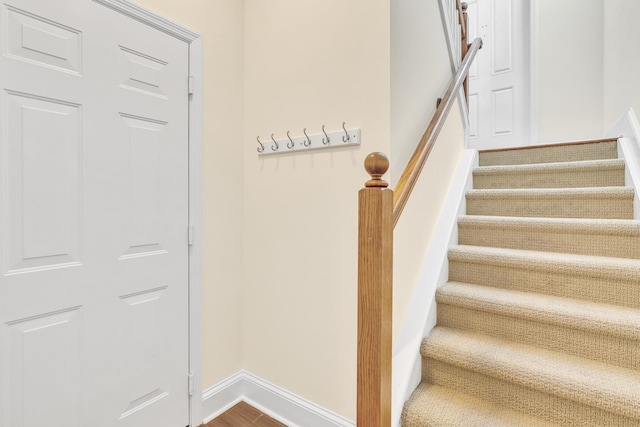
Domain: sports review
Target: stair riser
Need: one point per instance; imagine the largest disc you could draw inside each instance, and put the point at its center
(572, 241)
(550, 408)
(534, 331)
(551, 207)
(537, 179)
(563, 153)
(550, 280)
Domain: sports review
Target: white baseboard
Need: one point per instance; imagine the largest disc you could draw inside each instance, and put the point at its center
(278, 403)
(421, 314)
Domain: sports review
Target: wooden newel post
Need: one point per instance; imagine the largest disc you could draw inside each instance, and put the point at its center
(375, 266)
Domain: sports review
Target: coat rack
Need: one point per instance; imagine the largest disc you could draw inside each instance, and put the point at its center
(341, 138)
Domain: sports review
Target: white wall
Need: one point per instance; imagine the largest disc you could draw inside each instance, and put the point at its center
(571, 69)
(221, 23)
(621, 59)
(309, 63)
(420, 72)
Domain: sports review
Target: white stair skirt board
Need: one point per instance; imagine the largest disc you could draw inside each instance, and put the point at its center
(278, 403)
(434, 273)
(629, 145)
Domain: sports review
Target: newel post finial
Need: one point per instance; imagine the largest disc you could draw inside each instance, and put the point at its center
(376, 165)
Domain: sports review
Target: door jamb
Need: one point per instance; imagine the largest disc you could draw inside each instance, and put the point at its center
(534, 74)
(194, 40)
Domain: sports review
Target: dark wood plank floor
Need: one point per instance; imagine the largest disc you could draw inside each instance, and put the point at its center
(244, 415)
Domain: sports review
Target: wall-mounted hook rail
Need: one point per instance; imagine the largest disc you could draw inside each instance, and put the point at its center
(319, 141)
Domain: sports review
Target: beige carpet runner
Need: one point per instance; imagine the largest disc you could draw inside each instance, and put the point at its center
(539, 323)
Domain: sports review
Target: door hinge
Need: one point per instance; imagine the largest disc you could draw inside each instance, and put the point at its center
(190, 235)
(190, 383)
(190, 85)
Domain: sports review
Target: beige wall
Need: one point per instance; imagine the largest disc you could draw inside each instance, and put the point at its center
(221, 23)
(570, 69)
(621, 59)
(309, 63)
(280, 250)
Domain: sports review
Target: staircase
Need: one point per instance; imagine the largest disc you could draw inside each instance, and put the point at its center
(539, 323)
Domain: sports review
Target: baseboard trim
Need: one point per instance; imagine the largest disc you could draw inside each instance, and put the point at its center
(273, 400)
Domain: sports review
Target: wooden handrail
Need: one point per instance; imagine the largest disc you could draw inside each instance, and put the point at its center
(412, 171)
(378, 212)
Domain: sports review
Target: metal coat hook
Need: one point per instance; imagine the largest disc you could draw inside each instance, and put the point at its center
(308, 141)
(345, 138)
(292, 144)
(276, 144)
(326, 140)
(261, 148)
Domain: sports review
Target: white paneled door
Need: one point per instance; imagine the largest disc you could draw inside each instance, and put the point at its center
(499, 106)
(94, 214)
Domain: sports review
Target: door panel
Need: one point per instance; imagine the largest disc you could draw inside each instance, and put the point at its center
(94, 196)
(43, 215)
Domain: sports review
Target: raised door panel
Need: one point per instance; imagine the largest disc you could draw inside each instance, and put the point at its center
(43, 383)
(145, 335)
(502, 113)
(42, 172)
(35, 39)
(145, 187)
(502, 53)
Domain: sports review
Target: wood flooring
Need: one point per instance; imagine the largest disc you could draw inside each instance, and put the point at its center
(244, 415)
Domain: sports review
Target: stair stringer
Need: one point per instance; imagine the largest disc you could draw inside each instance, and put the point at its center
(628, 129)
(434, 273)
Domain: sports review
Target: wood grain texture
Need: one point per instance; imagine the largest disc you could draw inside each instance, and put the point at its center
(412, 171)
(375, 276)
(244, 415)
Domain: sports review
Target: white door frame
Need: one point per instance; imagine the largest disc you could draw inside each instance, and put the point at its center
(534, 72)
(194, 40)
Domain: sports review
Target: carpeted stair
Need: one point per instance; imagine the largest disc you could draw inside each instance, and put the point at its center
(539, 323)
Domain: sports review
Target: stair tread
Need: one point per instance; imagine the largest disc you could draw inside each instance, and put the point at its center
(589, 382)
(566, 151)
(447, 407)
(552, 167)
(568, 312)
(593, 225)
(560, 193)
(572, 263)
